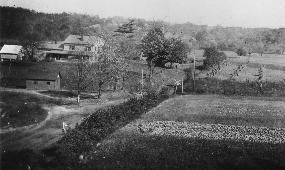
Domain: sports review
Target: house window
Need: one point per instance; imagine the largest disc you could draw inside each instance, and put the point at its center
(35, 82)
(88, 48)
(72, 47)
(48, 83)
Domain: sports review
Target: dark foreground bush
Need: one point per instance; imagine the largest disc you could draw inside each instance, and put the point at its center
(65, 153)
(98, 125)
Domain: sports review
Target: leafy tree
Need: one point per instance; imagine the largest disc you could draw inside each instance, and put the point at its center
(177, 50)
(213, 57)
(81, 77)
(112, 67)
(153, 48)
(205, 39)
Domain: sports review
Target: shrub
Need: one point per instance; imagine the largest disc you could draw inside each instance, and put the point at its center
(213, 57)
(241, 52)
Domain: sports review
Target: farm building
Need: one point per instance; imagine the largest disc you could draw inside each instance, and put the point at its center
(43, 81)
(11, 53)
(73, 47)
(20, 75)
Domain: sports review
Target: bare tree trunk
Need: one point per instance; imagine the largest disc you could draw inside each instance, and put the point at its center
(123, 84)
(100, 89)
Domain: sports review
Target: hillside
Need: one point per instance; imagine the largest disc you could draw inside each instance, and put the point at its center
(18, 24)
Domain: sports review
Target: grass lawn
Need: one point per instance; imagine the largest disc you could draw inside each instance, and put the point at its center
(273, 59)
(248, 73)
(21, 109)
(198, 132)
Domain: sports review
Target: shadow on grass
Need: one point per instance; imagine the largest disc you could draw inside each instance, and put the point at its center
(161, 152)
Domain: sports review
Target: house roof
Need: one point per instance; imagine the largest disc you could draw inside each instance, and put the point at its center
(83, 40)
(43, 75)
(51, 45)
(11, 49)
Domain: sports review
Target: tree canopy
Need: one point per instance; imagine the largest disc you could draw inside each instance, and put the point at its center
(213, 57)
(159, 50)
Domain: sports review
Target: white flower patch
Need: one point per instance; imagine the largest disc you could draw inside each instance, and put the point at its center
(217, 131)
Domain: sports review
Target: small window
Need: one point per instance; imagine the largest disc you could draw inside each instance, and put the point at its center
(72, 47)
(35, 82)
(48, 83)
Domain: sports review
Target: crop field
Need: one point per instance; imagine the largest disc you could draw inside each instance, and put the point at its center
(199, 132)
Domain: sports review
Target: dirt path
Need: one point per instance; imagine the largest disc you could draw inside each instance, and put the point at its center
(44, 133)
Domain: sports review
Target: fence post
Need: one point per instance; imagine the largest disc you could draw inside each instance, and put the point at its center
(182, 86)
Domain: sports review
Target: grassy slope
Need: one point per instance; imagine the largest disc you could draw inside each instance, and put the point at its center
(273, 59)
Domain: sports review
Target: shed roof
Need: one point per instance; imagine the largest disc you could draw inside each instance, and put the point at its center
(83, 40)
(52, 76)
(11, 49)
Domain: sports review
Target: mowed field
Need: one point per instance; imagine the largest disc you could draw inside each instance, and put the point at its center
(274, 59)
(248, 72)
(199, 132)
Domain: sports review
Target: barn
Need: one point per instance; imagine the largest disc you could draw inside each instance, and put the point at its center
(11, 53)
(43, 81)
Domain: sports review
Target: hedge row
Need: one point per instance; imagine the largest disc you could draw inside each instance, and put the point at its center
(100, 124)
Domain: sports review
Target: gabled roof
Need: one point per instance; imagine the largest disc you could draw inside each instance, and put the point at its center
(11, 49)
(83, 40)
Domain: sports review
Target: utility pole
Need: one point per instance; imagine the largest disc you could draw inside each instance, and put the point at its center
(193, 72)
(142, 83)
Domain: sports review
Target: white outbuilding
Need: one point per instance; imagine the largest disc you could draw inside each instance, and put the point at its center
(11, 53)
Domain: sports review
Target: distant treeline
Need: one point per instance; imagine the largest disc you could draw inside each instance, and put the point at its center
(18, 24)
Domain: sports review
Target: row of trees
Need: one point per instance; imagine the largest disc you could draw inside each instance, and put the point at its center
(111, 68)
(248, 40)
(18, 24)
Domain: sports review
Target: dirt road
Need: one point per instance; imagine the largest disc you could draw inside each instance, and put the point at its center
(42, 134)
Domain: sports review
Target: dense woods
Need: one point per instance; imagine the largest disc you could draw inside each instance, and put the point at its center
(18, 24)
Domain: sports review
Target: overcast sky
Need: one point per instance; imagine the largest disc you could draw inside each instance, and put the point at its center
(244, 13)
